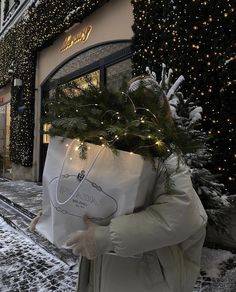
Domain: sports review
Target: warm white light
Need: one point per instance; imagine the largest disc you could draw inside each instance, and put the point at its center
(158, 142)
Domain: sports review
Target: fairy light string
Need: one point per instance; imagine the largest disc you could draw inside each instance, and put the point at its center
(120, 122)
(194, 37)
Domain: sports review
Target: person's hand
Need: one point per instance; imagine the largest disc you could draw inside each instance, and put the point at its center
(34, 221)
(90, 243)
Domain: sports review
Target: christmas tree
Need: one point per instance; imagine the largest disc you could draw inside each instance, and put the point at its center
(197, 39)
(187, 114)
(138, 120)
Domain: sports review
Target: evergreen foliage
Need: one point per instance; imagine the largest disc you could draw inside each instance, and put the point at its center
(137, 121)
(197, 38)
(125, 121)
(214, 196)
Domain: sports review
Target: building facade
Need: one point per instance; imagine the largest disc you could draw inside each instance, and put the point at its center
(98, 47)
(11, 12)
(46, 44)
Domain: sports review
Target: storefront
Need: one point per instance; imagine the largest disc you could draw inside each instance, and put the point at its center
(98, 49)
(5, 164)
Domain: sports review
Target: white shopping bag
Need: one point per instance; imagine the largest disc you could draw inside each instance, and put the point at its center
(102, 186)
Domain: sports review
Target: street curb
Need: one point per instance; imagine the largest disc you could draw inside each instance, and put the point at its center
(17, 207)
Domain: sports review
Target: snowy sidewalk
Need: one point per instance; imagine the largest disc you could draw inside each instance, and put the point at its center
(29, 263)
(25, 266)
(218, 271)
(19, 202)
(26, 194)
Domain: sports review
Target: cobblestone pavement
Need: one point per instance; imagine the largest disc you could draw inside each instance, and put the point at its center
(26, 194)
(226, 282)
(25, 266)
(28, 262)
(19, 214)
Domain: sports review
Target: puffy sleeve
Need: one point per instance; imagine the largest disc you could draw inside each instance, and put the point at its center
(170, 219)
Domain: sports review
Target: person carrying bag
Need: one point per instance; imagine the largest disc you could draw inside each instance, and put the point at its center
(155, 248)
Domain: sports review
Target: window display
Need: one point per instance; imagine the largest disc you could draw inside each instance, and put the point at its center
(5, 164)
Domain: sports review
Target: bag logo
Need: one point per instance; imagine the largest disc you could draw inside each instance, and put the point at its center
(81, 175)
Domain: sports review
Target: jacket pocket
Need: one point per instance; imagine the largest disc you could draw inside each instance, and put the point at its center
(150, 270)
(172, 260)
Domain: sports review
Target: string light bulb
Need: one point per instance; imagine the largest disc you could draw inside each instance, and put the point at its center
(159, 143)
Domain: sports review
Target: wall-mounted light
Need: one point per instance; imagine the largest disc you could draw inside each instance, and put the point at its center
(17, 82)
(11, 69)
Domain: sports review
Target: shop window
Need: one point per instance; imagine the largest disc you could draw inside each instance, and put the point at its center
(5, 164)
(84, 81)
(105, 65)
(90, 58)
(78, 84)
(46, 137)
(74, 87)
(119, 74)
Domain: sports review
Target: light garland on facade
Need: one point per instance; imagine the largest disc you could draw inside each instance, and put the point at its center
(199, 47)
(41, 24)
(195, 38)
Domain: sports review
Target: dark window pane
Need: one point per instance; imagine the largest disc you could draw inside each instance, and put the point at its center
(118, 74)
(88, 58)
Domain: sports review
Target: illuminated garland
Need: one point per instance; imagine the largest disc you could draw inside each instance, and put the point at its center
(197, 39)
(194, 37)
(44, 21)
(137, 120)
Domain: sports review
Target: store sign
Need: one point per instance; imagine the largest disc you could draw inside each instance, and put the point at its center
(73, 39)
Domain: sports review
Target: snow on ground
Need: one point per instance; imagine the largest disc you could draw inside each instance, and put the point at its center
(26, 194)
(218, 271)
(212, 260)
(24, 266)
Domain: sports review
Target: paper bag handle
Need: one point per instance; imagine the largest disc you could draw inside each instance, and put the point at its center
(79, 185)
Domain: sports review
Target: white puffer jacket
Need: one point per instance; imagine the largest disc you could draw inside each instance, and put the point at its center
(157, 249)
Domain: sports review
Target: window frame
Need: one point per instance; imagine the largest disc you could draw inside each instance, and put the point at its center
(101, 65)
